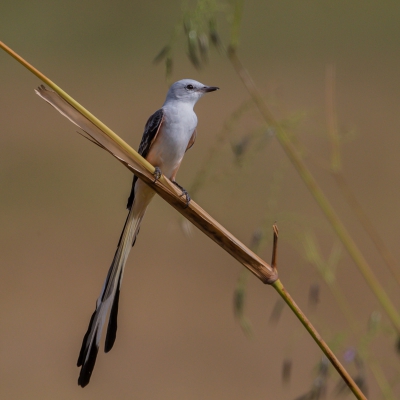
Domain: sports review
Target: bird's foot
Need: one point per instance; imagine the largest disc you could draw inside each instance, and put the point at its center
(184, 193)
(157, 174)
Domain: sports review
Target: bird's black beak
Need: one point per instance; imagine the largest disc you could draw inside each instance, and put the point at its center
(207, 89)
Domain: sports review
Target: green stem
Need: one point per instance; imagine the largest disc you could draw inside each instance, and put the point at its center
(375, 368)
(366, 223)
(277, 285)
(380, 378)
(237, 19)
(337, 170)
(315, 190)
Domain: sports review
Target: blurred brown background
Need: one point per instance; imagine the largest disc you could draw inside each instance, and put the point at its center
(62, 200)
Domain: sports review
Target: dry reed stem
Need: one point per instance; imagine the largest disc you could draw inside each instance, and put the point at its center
(108, 140)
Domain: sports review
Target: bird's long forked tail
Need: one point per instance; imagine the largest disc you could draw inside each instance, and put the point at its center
(109, 298)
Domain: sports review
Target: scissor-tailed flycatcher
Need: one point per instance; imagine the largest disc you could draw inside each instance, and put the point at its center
(168, 134)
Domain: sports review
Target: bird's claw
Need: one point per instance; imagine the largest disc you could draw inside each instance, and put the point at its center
(184, 193)
(157, 174)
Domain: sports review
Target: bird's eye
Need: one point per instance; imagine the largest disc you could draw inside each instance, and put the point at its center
(190, 87)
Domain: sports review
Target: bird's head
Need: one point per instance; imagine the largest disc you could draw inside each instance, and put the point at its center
(188, 90)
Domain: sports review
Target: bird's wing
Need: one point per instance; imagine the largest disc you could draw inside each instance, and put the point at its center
(151, 130)
(150, 133)
(192, 140)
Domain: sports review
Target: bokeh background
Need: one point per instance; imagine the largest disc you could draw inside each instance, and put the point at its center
(62, 200)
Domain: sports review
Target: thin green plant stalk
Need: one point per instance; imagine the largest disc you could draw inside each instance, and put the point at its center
(366, 223)
(337, 171)
(315, 190)
(380, 378)
(236, 22)
(368, 226)
(277, 285)
(315, 259)
(348, 194)
(265, 272)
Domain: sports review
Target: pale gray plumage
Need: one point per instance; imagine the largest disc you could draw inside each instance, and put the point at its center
(168, 134)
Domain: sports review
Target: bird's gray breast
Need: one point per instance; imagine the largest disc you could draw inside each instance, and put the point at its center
(178, 125)
(180, 122)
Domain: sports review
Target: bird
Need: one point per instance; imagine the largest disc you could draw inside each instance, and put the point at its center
(168, 134)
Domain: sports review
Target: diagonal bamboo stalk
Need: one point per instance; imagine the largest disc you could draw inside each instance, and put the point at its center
(168, 191)
(194, 213)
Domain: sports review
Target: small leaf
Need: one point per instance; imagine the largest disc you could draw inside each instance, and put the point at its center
(192, 49)
(203, 47)
(162, 54)
(240, 147)
(168, 67)
(277, 311)
(313, 294)
(214, 35)
(238, 302)
(286, 371)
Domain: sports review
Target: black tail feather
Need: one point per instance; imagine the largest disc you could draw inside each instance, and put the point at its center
(110, 293)
(87, 368)
(112, 320)
(84, 348)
